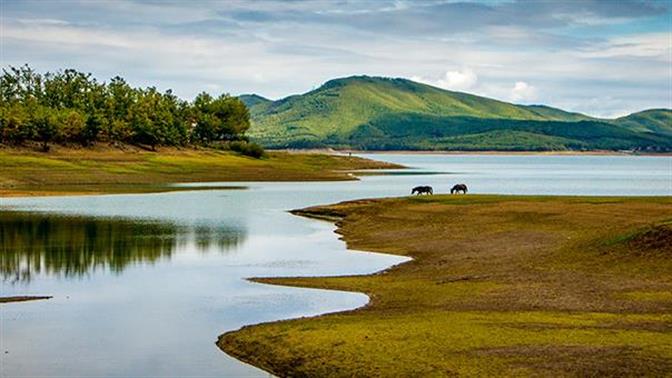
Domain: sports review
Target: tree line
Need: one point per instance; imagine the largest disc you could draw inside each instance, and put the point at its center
(73, 107)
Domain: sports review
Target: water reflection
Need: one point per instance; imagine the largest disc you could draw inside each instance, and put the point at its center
(55, 245)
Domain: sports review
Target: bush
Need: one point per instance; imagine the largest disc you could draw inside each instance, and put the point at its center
(70, 125)
(248, 149)
(14, 124)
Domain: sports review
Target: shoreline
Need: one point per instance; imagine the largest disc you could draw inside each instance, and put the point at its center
(331, 151)
(23, 298)
(109, 170)
(287, 347)
(75, 172)
(518, 153)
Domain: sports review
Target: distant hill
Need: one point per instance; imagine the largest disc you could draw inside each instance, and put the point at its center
(376, 113)
(655, 121)
(251, 100)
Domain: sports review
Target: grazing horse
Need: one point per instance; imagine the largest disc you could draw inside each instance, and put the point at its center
(422, 190)
(459, 188)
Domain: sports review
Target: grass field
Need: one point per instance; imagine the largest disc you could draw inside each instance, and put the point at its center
(499, 285)
(112, 170)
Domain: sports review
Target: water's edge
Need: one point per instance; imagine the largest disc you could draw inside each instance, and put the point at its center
(334, 219)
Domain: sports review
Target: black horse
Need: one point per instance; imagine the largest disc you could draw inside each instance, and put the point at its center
(422, 190)
(459, 188)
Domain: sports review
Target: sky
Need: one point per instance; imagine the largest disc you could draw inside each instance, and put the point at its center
(606, 58)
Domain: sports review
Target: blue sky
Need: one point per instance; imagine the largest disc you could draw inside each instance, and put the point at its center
(604, 58)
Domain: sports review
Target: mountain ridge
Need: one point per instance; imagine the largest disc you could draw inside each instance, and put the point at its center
(367, 112)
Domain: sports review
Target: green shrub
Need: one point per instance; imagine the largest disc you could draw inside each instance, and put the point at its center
(247, 148)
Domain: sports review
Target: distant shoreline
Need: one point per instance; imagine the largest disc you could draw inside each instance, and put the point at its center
(23, 298)
(485, 152)
(523, 153)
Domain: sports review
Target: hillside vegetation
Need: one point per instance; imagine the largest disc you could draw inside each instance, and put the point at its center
(382, 114)
(71, 107)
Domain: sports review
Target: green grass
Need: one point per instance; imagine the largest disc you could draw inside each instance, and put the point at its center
(106, 170)
(499, 286)
(377, 113)
(660, 296)
(473, 344)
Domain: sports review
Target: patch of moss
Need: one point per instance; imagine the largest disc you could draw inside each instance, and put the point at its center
(659, 296)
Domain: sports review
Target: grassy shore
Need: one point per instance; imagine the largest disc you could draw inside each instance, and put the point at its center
(499, 285)
(22, 298)
(113, 170)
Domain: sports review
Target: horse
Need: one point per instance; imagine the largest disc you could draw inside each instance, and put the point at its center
(459, 188)
(422, 190)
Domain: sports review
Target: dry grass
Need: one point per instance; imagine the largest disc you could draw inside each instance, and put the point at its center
(112, 170)
(499, 285)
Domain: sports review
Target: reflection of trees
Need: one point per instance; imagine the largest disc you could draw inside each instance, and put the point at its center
(73, 246)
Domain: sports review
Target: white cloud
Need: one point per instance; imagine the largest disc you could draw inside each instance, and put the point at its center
(282, 48)
(523, 91)
(589, 18)
(645, 45)
(460, 80)
(41, 21)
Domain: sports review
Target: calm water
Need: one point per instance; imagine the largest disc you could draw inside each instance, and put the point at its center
(143, 284)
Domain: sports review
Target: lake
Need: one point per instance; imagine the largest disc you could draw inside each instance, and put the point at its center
(143, 284)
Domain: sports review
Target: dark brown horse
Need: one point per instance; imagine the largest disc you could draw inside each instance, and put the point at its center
(459, 188)
(422, 190)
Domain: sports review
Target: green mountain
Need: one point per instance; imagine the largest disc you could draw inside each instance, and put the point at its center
(251, 100)
(655, 121)
(376, 113)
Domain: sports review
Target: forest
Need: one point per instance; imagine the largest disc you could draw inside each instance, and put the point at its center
(71, 107)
